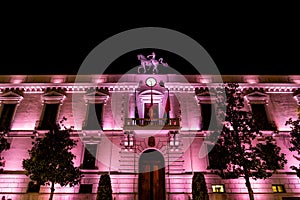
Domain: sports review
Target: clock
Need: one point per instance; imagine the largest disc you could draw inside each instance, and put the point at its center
(150, 81)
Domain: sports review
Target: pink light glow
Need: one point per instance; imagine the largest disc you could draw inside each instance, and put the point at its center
(251, 79)
(58, 79)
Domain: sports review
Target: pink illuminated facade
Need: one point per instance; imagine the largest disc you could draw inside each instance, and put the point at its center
(149, 136)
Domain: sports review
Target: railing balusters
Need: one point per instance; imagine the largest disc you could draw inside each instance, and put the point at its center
(136, 122)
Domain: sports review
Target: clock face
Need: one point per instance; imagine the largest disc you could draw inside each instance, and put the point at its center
(151, 81)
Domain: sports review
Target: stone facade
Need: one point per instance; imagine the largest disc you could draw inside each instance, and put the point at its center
(120, 140)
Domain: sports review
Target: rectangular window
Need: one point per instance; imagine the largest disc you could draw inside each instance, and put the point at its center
(89, 158)
(218, 188)
(6, 116)
(214, 154)
(85, 188)
(147, 109)
(260, 116)
(208, 117)
(94, 116)
(278, 188)
(48, 120)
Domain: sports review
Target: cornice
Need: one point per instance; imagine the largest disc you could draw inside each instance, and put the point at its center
(130, 82)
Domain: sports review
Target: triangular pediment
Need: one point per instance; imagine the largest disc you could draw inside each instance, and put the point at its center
(205, 96)
(257, 94)
(11, 96)
(96, 94)
(96, 97)
(257, 97)
(205, 93)
(53, 94)
(297, 98)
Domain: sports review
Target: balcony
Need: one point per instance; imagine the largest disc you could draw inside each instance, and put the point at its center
(151, 124)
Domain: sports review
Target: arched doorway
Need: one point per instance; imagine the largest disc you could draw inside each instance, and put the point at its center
(152, 176)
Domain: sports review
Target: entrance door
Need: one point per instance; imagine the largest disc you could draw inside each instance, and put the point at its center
(151, 176)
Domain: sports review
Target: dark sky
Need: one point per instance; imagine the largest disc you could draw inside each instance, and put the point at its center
(245, 43)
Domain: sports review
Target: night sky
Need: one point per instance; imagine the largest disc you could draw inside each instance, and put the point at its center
(237, 44)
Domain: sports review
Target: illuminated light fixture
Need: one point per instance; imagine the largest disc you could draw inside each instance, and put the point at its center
(218, 188)
(98, 80)
(174, 141)
(251, 79)
(295, 79)
(128, 141)
(205, 80)
(58, 79)
(16, 81)
(278, 188)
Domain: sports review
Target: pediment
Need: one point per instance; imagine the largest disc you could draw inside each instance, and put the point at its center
(96, 97)
(11, 96)
(297, 98)
(205, 96)
(53, 96)
(257, 97)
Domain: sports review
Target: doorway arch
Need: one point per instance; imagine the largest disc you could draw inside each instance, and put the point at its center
(151, 176)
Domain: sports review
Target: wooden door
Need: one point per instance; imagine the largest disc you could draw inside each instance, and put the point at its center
(151, 177)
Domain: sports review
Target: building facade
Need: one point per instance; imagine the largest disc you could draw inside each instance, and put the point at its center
(146, 130)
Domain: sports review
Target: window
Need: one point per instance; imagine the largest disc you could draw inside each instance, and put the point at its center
(6, 116)
(89, 158)
(208, 116)
(147, 109)
(218, 188)
(278, 188)
(94, 116)
(85, 188)
(260, 116)
(95, 100)
(215, 152)
(33, 187)
(258, 102)
(49, 116)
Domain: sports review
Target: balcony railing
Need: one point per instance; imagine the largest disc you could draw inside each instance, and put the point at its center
(156, 123)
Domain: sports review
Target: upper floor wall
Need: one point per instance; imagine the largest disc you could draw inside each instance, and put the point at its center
(120, 95)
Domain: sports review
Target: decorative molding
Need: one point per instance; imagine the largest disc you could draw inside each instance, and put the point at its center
(11, 97)
(203, 95)
(96, 96)
(53, 97)
(297, 98)
(257, 98)
(145, 96)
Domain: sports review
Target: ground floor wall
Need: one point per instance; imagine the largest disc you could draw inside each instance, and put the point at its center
(178, 187)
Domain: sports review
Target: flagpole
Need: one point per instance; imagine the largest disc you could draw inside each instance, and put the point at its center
(151, 114)
(168, 107)
(136, 114)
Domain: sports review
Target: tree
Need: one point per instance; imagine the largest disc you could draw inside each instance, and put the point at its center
(104, 188)
(4, 145)
(199, 189)
(51, 160)
(295, 140)
(242, 155)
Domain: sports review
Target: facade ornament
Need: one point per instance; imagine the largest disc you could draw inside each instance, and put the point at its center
(150, 61)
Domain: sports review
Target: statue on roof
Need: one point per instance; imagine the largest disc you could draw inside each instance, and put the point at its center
(150, 61)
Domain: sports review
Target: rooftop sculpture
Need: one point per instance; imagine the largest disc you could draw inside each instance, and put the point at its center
(150, 61)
